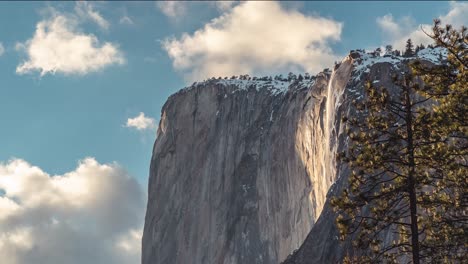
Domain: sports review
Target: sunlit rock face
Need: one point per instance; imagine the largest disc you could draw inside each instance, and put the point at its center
(237, 173)
(241, 168)
(322, 244)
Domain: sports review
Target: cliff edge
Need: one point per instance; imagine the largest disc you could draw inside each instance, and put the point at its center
(241, 168)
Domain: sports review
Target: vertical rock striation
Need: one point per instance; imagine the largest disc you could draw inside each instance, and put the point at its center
(237, 173)
(241, 168)
(322, 244)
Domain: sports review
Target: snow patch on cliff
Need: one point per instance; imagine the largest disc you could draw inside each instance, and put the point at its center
(363, 61)
(436, 55)
(274, 86)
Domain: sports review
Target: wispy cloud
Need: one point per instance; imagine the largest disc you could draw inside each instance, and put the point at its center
(2, 49)
(172, 9)
(176, 10)
(397, 31)
(58, 46)
(223, 6)
(126, 20)
(255, 37)
(141, 122)
(86, 11)
(93, 214)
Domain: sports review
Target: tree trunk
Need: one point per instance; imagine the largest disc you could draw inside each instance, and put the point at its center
(411, 180)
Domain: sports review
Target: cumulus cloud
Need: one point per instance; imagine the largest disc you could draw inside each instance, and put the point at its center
(457, 14)
(2, 49)
(93, 214)
(172, 9)
(255, 37)
(59, 46)
(390, 27)
(396, 32)
(141, 122)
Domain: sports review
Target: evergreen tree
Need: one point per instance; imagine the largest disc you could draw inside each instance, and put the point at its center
(383, 185)
(419, 48)
(446, 224)
(409, 160)
(378, 51)
(409, 48)
(388, 49)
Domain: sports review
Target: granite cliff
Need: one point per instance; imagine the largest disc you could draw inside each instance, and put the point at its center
(241, 168)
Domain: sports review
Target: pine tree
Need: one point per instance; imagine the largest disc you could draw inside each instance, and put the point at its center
(409, 160)
(409, 48)
(419, 48)
(384, 183)
(388, 49)
(378, 51)
(446, 224)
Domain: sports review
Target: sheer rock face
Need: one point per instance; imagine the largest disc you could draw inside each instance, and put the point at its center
(241, 169)
(237, 173)
(322, 244)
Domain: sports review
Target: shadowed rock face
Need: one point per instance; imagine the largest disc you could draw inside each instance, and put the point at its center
(322, 244)
(241, 169)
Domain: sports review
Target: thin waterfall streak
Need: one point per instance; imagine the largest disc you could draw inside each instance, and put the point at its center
(334, 100)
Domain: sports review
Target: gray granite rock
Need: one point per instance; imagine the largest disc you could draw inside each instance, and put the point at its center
(322, 244)
(237, 173)
(241, 168)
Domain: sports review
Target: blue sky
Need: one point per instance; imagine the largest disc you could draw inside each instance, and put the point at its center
(107, 62)
(55, 120)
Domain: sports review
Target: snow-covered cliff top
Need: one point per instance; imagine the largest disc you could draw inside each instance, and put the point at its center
(363, 61)
(275, 85)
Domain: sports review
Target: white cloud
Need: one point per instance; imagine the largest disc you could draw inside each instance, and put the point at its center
(457, 14)
(255, 37)
(396, 32)
(93, 214)
(223, 5)
(176, 10)
(86, 11)
(172, 9)
(2, 49)
(141, 122)
(131, 241)
(391, 28)
(59, 46)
